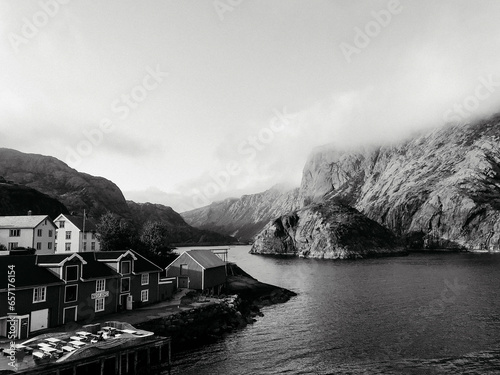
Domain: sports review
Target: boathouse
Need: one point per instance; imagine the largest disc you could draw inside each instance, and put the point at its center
(198, 269)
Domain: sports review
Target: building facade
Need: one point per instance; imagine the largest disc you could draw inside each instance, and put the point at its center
(198, 269)
(76, 234)
(30, 231)
(63, 288)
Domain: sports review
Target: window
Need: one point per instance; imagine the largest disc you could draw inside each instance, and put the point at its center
(50, 232)
(184, 269)
(39, 233)
(85, 236)
(68, 235)
(39, 246)
(85, 246)
(99, 304)
(15, 232)
(71, 273)
(55, 236)
(145, 279)
(92, 246)
(67, 246)
(39, 294)
(125, 285)
(45, 222)
(61, 224)
(12, 245)
(100, 285)
(126, 267)
(144, 295)
(49, 246)
(70, 293)
(93, 236)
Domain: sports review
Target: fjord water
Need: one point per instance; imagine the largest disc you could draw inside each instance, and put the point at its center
(425, 313)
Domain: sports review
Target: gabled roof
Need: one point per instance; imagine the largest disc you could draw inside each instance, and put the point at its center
(90, 223)
(57, 260)
(21, 222)
(95, 269)
(27, 272)
(144, 265)
(206, 258)
(114, 256)
(141, 264)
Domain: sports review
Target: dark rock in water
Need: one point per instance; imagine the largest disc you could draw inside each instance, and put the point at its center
(329, 231)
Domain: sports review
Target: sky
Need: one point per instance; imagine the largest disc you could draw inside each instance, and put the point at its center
(193, 101)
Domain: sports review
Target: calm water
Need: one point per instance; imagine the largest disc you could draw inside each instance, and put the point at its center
(420, 314)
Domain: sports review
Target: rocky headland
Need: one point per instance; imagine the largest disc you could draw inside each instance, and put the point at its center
(244, 297)
(328, 231)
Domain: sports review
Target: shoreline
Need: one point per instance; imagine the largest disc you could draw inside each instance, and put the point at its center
(206, 323)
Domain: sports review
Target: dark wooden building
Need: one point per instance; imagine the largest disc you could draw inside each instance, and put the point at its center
(198, 269)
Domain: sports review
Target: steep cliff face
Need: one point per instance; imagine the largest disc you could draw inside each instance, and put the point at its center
(443, 186)
(246, 216)
(76, 190)
(329, 231)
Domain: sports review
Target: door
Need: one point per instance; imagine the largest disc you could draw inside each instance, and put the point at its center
(39, 320)
(183, 282)
(23, 334)
(69, 315)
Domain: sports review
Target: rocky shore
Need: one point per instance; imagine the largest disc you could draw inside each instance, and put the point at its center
(240, 306)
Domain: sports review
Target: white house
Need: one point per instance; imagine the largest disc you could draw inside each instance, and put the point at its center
(30, 231)
(76, 234)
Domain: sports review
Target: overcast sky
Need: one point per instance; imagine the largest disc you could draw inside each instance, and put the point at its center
(187, 102)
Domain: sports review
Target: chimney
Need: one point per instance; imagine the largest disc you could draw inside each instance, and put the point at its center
(29, 213)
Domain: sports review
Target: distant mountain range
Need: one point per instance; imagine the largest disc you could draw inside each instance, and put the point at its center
(45, 184)
(440, 189)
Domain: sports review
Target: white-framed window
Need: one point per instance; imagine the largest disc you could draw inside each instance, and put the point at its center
(99, 304)
(67, 246)
(39, 233)
(125, 285)
(49, 246)
(13, 245)
(126, 267)
(39, 294)
(15, 233)
(85, 236)
(145, 279)
(100, 285)
(39, 246)
(92, 246)
(61, 224)
(144, 295)
(85, 246)
(50, 232)
(70, 293)
(55, 236)
(93, 236)
(71, 273)
(68, 235)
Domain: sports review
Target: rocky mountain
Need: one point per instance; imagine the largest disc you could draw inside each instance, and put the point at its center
(243, 218)
(18, 200)
(441, 189)
(178, 231)
(328, 231)
(76, 190)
